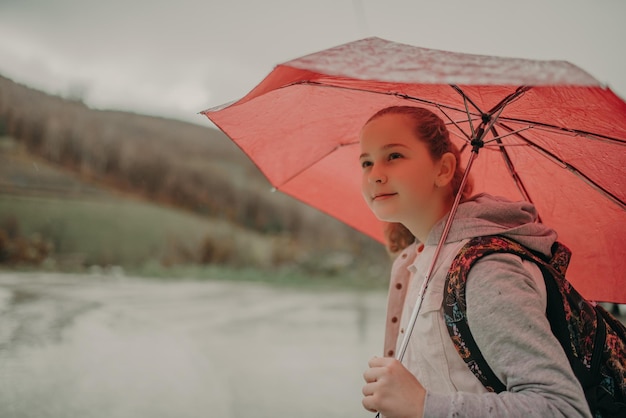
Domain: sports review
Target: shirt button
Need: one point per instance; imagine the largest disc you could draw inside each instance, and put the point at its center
(404, 255)
(390, 353)
(398, 286)
(401, 330)
(420, 248)
(394, 319)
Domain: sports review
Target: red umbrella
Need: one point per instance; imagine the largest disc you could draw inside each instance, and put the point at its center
(554, 136)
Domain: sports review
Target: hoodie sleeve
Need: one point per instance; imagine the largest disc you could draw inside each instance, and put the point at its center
(506, 313)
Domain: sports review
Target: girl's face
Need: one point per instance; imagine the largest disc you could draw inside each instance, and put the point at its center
(399, 174)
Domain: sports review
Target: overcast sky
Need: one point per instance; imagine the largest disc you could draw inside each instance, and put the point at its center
(175, 58)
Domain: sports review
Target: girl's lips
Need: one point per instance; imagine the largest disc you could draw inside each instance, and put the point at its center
(383, 196)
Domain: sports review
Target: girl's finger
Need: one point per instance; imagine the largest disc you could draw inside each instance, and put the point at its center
(368, 403)
(380, 361)
(368, 389)
(371, 375)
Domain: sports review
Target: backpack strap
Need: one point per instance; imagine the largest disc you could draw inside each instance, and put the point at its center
(454, 306)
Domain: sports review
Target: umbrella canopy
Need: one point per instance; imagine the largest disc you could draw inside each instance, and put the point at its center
(559, 139)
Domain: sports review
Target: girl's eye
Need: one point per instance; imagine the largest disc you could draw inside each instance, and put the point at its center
(394, 155)
(365, 164)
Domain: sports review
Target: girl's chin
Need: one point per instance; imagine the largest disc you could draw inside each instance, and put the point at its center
(389, 211)
(386, 216)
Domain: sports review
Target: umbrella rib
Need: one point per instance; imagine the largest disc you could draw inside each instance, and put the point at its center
(469, 118)
(511, 167)
(465, 101)
(469, 139)
(490, 146)
(497, 138)
(429, 102)
(575, 132)
(510, 98)
(464, 120)
(551, 156)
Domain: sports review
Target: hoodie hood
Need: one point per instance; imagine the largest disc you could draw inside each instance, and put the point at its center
(484, 214)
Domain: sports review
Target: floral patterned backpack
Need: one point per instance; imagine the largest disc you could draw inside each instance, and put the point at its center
(594, 341)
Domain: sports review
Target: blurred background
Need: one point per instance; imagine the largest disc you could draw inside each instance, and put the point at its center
(145, 267)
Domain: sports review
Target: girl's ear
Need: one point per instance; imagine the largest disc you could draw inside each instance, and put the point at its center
(447, 167)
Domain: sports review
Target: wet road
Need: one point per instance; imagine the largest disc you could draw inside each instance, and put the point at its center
(94, 346)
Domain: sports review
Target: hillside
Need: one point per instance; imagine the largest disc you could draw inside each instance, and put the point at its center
(172, 163)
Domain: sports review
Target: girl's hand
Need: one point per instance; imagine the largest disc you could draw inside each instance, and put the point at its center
(392, 390)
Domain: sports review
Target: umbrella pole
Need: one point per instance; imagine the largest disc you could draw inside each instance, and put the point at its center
(477, 144)
(488, 121)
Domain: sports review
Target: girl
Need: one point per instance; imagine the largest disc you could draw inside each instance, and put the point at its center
(411, 174)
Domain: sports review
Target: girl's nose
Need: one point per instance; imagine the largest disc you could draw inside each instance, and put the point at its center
(377, 177)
